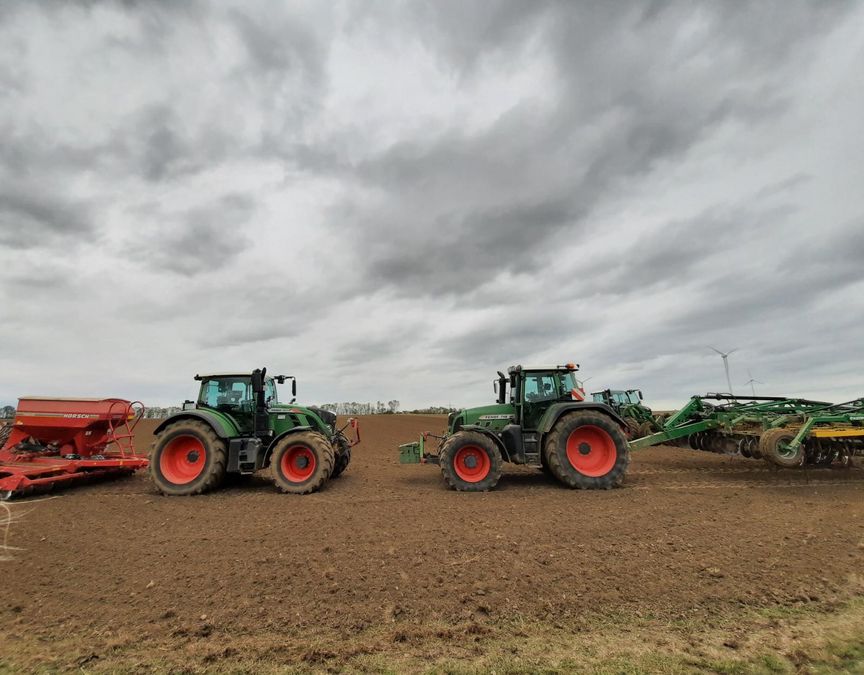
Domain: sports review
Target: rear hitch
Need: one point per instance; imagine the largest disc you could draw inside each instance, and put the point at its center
(355, 425)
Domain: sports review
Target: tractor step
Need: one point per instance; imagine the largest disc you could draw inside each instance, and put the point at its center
(531, 449)
(533, 459)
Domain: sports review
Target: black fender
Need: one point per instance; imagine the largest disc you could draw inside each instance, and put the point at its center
(222, 427)
(555, 411)
(489, 434)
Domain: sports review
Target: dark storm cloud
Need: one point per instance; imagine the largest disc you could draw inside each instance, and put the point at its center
(464, 208)
(676, 252)
(32, 216)
(791, 285)
(201, 240)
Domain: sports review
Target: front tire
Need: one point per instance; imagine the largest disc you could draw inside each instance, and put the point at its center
(187, 458)
(470, 462)
(302, 463)
(587, 450)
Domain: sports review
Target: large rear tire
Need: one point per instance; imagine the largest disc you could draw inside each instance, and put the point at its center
(587, 450)
(5, 432)
(470, 462)
(187, 458)
(301, 463)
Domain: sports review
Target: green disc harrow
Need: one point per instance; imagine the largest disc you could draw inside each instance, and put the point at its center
(787, 432)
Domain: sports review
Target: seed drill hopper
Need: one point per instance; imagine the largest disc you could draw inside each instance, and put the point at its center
(787, 432)
(60, 440)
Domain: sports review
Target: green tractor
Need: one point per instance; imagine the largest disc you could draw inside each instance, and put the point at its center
(545, 423)
(639, 418)
(236, 427)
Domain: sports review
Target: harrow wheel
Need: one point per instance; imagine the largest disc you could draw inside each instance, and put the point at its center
(645, 429)
(632, 427)
(187, 458)
(587, 450)
(470, 462)
(773, 446)
(301, 463)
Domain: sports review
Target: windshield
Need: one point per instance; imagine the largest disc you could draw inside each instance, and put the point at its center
(226, 393)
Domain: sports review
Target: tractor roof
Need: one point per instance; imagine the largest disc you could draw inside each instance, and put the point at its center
(567, 368)
(211, 376)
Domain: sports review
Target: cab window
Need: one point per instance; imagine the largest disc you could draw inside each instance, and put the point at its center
(540, 387)
(226, 393)
(270, 392)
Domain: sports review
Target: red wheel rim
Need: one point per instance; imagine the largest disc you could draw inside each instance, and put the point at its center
(591, 451)
(182, 460)
(472, 463)
(298, 463)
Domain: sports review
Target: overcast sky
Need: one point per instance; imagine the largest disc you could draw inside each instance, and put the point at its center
(395, 200)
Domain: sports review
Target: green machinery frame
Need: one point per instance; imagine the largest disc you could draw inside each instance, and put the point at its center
(812, 431)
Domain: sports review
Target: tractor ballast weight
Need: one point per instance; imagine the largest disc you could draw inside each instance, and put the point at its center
(786, 432)
(546, 423)
(238, 426)
(61, 440)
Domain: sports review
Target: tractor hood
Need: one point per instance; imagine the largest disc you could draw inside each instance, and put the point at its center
(325, 416)
(495, 416)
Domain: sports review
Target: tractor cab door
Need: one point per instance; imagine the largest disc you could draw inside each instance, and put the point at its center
(232, 396)
(539, 391)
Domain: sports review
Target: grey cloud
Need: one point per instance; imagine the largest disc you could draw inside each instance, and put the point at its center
(31, 217)
(201, 240)
(464, 208)
(468, 220)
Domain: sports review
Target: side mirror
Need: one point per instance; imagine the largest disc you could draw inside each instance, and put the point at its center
(495, 386)
(639, 391)
(294, 388)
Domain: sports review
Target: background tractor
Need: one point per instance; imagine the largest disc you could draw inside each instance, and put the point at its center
(544, 423)
(639, 418)
(237, 426)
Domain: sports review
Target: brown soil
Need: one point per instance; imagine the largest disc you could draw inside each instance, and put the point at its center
(114, 573)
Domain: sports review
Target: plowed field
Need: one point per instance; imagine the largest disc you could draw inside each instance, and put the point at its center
(698, 560)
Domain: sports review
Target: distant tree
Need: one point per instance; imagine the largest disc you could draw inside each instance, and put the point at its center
(7, 411)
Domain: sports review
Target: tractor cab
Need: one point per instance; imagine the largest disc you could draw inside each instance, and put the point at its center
(242, 396)
(618, 397)
(533, 390)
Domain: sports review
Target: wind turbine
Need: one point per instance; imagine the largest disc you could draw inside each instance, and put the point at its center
(725, 357)
(752, 382)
